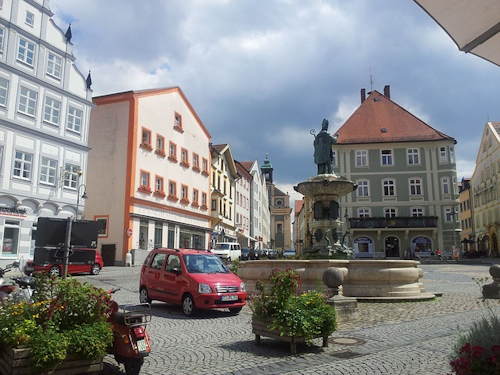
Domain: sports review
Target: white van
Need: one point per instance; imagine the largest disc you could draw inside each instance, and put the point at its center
(227, 250)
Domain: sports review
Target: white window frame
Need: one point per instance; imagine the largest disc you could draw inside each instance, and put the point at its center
(23, 165)
(443, 155)
(413, 155)
(27, 101)
(2, 38)
(445, 186)
(334, 158)
(361, 158)
(159, 184)
(26, 52)
(29, 19)
(4, 91)
(364, 212)
(75, 119)
(54, 65)
(71, 175)
(390, 212)
(452, 155)
(417, 211)
(52, 111)
(415, 186)
(145, 179)
(386, 158)
(448, 214)
(48, 171)
(388, 188)
(363, 189)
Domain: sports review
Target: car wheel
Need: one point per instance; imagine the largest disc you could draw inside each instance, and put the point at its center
(144, 296)
(188, 307)
(235, 310)
(95, 269)
(55, 271)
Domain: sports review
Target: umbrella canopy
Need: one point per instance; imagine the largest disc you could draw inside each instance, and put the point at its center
(474, 26)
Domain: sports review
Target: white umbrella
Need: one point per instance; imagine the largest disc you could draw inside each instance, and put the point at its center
(474, 26)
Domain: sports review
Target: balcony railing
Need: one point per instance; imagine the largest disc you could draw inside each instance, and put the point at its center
(393, 222)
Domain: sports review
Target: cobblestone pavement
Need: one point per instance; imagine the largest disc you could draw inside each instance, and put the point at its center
(386, 338)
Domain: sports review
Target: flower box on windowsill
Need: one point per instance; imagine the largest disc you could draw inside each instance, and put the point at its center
(160, 153)
(204, 207)
(172, 198)
(184, 164)
(145, 189)
(184, 201)
(204, 173)
(178, 128)
(195, 205)
(196, 169)
(171, 158)
(160, 194)
(146, 146)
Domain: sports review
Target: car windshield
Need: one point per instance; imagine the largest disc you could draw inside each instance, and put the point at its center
(204, 263)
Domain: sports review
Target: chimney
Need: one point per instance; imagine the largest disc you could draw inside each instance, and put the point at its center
(363, 95)
(387, 91)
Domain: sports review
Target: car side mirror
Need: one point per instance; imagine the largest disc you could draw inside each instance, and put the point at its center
(176, 270)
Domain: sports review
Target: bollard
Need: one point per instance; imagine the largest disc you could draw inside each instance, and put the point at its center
(128, 259)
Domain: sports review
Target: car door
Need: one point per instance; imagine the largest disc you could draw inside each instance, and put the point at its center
(153, 276)
(170, 277)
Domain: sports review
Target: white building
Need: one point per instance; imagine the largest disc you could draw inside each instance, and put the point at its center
(243, 206)
(45, 105)
(149, 174)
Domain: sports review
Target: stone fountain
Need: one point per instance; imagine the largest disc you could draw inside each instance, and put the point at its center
(324, 190)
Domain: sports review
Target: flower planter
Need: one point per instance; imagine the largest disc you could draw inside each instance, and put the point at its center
(16, 362)
(260, 328)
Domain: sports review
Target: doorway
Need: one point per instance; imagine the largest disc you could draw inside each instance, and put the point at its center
(392, 247)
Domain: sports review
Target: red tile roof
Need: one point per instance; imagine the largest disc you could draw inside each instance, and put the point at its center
(379, 120)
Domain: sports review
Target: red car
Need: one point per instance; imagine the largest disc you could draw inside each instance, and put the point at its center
(192, 279)
(73, 267)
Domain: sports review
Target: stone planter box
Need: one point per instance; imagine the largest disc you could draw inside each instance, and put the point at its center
(260, 328)
(16, 362)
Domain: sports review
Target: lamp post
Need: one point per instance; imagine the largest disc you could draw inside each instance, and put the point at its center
(78, 195)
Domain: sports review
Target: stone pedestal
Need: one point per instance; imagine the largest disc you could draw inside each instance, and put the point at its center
(493, 290)
(345, 307)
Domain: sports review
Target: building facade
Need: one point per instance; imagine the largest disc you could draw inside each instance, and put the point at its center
(149, 174)
(243, 207)
(45, 105)
(484, 190)
(406, 202)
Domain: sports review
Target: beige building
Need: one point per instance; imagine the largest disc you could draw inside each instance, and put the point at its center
(148, 179)
(484, 189)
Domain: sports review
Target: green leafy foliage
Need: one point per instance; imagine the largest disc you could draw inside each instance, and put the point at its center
(306, 315)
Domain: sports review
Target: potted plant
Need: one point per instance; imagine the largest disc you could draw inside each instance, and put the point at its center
(281, 312)
(66, 321)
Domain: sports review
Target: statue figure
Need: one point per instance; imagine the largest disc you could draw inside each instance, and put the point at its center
(323, 154)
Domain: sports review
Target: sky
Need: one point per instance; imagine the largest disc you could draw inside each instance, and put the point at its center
(261, 74)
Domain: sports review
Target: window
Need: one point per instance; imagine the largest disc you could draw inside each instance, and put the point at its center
(452, 155)
(52, 111)
(386, 156)
(205, 165)
(389, 187)
(54, 65)
(75, 117)
(196, 162)
(4, 89)
(26, 52)
(159, 184)
(445, 183)
(172, 189)
(363, 212)
(443, 157)
(144, 179)
(30, 18)
(27, 101)
(11, 238)
(146, 137)
(413, 156)
(184, 156)
(172, 152)
(195, 196)
(415, 186)
(102, 226)
(158, 234)
(204, 199)
(363, 188)
(23, 164)
(334, 157)
(389, 212)
(361, 158)
(448, 214)
(2, 35)
(184, 193)
(160, 143)
(178, 121)
(48, 171)
(415, 212)
(71, 176)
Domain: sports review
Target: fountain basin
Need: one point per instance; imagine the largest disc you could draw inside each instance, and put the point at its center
(377, 280)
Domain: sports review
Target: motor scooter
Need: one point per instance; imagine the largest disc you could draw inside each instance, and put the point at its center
(131, 342)
(5, 289)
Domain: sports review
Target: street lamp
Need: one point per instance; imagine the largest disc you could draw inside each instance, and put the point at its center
(83, 196)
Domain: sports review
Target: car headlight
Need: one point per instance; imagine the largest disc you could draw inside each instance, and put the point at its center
(243, 288)
(204, 288)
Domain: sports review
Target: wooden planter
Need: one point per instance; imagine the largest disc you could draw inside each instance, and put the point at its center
(260, 328)
(16, 362)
